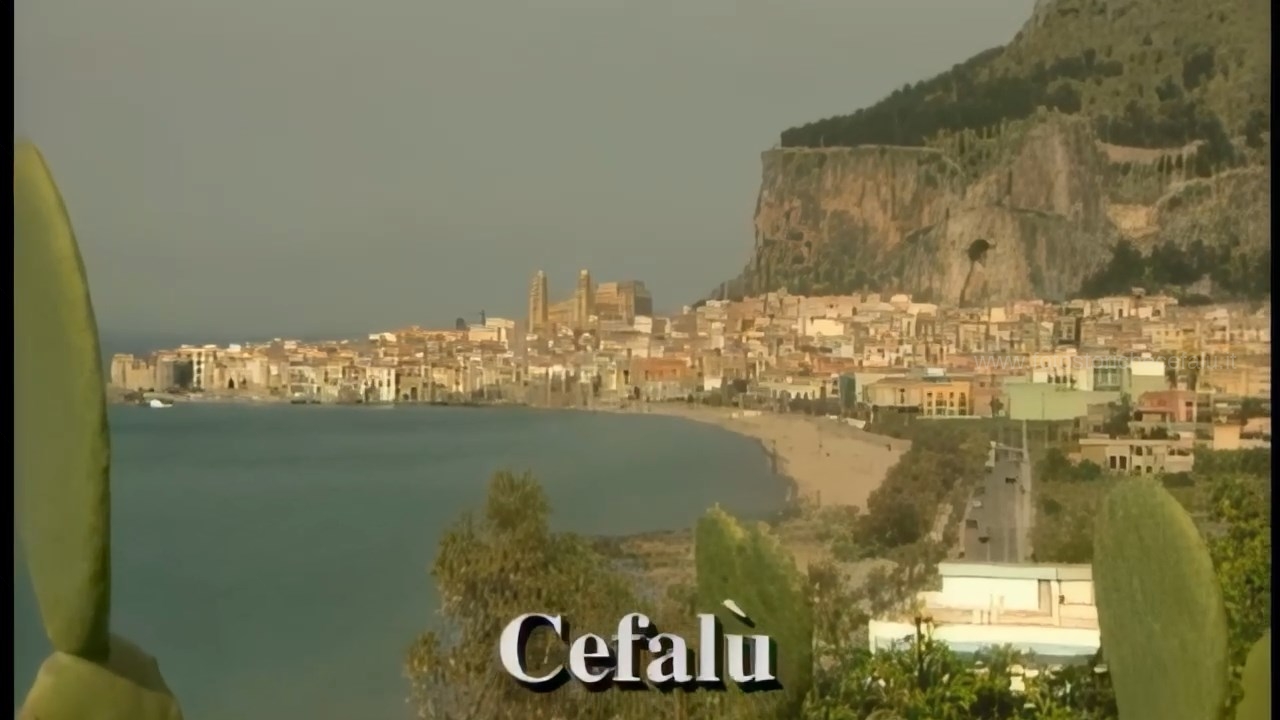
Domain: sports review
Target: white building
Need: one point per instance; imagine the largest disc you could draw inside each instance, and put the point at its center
(382, 383)
(1046, 610)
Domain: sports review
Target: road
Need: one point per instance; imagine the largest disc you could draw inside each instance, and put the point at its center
(991, 522)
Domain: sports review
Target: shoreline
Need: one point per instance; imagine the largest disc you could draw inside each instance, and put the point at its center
(826, 462)
(830, 467)
(826, 465)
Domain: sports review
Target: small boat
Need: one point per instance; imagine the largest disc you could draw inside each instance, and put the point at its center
(157, 403)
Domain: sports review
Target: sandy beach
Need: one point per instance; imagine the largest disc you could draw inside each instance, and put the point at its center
(831, 463)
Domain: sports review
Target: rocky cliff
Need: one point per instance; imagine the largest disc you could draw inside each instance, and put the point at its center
(1035, 214)
(916, 220)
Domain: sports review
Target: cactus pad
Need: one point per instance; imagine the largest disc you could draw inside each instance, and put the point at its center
(1164, 629)
(61, 470)
(127, 687)
(61, 445)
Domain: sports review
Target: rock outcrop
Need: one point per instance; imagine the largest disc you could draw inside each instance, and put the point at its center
(1048, 199)
(904, 219)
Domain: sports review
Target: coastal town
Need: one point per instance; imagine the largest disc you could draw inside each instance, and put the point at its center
(864, 357)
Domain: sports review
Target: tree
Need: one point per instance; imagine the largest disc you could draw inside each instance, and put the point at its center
(1242, 558)
(923, 678)
(902, 510)
(1253, 408)
(491, 569)
(1117, 424)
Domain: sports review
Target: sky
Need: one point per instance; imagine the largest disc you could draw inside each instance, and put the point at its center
(256, 168)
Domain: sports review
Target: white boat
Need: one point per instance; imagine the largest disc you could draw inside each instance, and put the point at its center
(156, 403)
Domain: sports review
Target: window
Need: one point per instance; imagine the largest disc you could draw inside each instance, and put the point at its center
(1106, 378)
(1114, 462)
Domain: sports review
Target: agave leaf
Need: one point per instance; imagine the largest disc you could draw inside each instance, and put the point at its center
(1159, 607)
(62, 452)
(1256, 704)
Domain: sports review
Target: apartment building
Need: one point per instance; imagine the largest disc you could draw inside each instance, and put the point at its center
(1135, 456)
(930, 394)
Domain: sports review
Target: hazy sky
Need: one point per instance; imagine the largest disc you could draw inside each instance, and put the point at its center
(258, 167)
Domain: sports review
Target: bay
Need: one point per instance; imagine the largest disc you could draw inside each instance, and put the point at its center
(275, 558)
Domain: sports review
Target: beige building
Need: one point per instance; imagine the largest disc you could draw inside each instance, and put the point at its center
(539, 307)
(239, 370)
(203, 361)
(584, 301)
(938, 395)
(132, 373)
(1249, 377)
(1138, 457)
(622, 301)
(563, 313)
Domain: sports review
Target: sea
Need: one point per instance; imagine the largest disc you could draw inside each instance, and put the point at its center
(275, 559)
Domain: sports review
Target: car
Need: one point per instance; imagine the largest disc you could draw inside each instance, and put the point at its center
(977, 504)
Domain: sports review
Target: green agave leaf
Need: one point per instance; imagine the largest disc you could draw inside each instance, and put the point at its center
(127, 687)
(62, 452)
(1256, 704)
(1159, 607)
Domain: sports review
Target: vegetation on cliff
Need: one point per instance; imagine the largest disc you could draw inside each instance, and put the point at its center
(1236, 273)
(1150, 74)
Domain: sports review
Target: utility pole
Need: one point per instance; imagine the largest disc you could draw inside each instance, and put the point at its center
(1027, 500)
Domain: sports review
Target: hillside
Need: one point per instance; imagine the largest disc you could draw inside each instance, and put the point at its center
(1104, 129)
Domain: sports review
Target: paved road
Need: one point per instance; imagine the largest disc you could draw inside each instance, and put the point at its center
(990, 532)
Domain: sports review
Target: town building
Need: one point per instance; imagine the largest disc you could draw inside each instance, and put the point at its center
(1045, 610)
(539, 307)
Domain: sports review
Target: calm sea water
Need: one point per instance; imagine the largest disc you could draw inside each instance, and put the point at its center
(275, 558)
